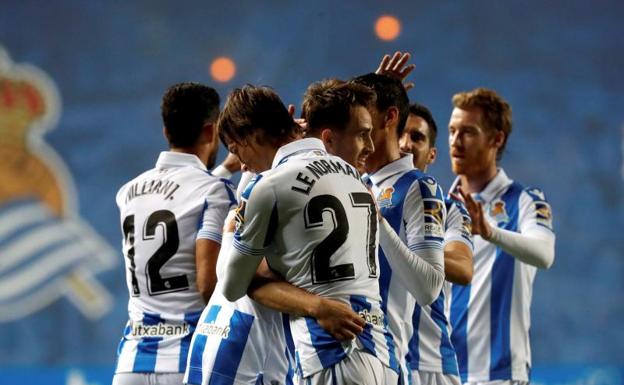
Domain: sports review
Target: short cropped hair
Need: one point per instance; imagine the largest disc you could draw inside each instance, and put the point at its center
(185, 108)
(256, 110)
(424, 113)
(328, 103)
(390, 92)
(496, 112)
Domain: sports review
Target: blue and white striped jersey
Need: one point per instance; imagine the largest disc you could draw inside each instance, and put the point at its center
(412, 203)
(239, 342)
(163, 212)
(315, 222)
(430, 349)
(491, 316)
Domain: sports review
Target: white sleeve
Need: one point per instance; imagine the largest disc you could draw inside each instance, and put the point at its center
(420, 275)
(424, 215)
(535, 242)
(219, 200)
(245, 178)
(533, 247)
(221, 172)
(254, 233)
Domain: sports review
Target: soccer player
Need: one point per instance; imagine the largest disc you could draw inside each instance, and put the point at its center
(513, 237)
(412, 205)
(315, 222)
(432, 356)
(172, 218)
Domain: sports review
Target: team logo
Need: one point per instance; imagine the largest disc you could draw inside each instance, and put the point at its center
(434, 215)
(431, 184)
(239, 218)
(543, 214)
(384, 199)
(498, 211)
(46, 250)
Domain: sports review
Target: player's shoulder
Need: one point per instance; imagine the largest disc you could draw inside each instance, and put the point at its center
(425, 185)
(535, 193)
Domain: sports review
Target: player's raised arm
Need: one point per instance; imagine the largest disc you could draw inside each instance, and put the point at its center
(396, 66)
(533, 245)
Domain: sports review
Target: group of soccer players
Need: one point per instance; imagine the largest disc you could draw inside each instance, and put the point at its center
(338, 260)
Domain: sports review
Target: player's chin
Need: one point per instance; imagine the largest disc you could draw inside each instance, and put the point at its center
(458, 166)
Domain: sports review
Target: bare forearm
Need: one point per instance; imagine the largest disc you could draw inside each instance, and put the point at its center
(458, 266)
(283, 297)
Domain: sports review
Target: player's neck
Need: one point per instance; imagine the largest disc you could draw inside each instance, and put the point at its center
(199, 151)
(476, 182)
(382, 157)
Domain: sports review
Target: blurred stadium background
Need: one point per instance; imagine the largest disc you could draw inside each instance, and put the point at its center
(80, 88)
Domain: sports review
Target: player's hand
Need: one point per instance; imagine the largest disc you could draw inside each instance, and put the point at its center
(338, 319)
(480, 225)
(395, 66)
(231, 163)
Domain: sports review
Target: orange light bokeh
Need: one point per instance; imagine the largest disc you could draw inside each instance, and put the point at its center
(387, 27)
(222, 69)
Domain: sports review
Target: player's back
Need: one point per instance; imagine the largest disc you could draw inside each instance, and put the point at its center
(321, 235)
(163, 212)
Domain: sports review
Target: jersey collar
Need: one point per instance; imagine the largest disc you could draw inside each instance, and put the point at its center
(297, 147)
(179, 159)
(493, 189)
(404, 163)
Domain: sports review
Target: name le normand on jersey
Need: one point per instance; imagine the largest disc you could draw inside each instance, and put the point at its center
(318, 168)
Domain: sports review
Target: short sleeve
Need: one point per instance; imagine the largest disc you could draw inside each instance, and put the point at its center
(424, 214)
(535, 211)
(458, 223)
(218, 201)
(255, 217)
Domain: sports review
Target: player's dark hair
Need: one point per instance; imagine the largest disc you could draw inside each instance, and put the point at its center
(423, 112)
(256, 110)
(328, 103)
(495, 111)
(390, 92)
(185, 108)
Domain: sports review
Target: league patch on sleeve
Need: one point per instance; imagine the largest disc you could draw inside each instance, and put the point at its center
(543, 212)
(434, 210)
(239, 218)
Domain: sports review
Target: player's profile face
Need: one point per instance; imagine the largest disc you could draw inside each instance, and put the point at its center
(354, 144)
(415, 141)
(471, 147)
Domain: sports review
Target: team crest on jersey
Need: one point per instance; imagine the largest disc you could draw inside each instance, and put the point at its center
(498, 211)
(47, 250)
(384, 199)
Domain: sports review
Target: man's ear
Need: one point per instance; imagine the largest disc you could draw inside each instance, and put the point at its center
(209, 131)
(498, 139)
(433, 154)
(391, 117)
(327, 136)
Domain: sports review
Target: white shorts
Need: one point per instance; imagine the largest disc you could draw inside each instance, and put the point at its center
(148, 378)
(357, 368)
(433, 378)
